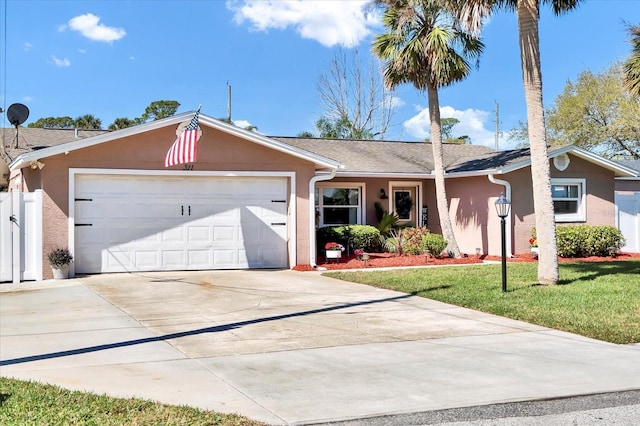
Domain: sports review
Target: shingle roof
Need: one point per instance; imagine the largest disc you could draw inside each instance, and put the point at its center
(357, 156)
(371, 156)
(632, 164)
(31, 139)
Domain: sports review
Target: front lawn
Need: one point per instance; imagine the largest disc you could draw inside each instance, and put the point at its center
(31, 403)
(598, 300)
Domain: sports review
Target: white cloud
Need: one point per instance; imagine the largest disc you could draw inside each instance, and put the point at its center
(244, 124)
(27, 99)
(330, 23)
(82, 51)
(89, 26)
(27, 46)
(395, 101)
(472, 124)
(61, 62)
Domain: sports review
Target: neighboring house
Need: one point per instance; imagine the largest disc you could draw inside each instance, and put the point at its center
(252, 201)
(627, 201)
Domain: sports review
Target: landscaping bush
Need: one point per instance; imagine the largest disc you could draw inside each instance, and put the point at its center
(435, 243)
(588, 240)
(363, 237)
(412, 240)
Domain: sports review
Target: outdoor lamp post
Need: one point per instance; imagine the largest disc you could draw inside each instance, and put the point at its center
(502, 208)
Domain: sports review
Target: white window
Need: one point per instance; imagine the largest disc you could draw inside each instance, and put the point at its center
(569, 199)
(339, 204)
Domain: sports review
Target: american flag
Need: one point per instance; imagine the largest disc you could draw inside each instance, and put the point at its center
(185, 148)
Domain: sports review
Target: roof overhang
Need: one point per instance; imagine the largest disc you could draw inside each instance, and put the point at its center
(618, 169)
(384, 175)
(26, 159)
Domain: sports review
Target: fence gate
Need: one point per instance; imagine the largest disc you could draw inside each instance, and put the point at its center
(20, 236)
(628, 219)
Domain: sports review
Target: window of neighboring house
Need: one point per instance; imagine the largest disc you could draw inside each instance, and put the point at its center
(569, 199)
(339, 205)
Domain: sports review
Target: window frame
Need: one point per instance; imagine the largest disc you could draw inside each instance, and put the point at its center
(319, 199)
(581, 214)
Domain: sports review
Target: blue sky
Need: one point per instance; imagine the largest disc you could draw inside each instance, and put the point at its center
(112, 58)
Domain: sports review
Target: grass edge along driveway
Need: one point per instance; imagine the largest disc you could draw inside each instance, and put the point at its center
(600, 300)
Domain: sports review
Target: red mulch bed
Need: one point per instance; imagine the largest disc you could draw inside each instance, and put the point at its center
(385, 260)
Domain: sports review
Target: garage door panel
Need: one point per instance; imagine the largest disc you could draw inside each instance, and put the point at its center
(168, 223)
(199, 234)
(174, 235)
(226, 258)
(199, 259)
(147, 258)
(117, 259)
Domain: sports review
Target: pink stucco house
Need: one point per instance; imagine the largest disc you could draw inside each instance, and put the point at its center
(252, 201)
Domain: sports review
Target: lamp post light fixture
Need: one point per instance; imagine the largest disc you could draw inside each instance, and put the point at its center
(502, 208)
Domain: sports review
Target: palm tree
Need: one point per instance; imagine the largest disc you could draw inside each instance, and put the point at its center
(422, 46)
(88, 121)
(632, 65)
(471, 13)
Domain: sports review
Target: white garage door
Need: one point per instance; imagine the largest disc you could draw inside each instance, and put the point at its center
(153, 223)
(628, 219)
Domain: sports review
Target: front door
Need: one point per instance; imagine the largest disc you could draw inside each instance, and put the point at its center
(405, 202)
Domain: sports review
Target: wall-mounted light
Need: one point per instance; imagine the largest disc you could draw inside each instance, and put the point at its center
(383, 194)
(35, 164)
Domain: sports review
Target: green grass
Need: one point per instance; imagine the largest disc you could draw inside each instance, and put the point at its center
(31, 403)
(598, 300)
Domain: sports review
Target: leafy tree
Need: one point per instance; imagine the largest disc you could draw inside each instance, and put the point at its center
(340, 128)
(597, 114)
(447, 124)
(472, 13)
(305, 134)
(632, 65)
(53, 123)
(356, 103)
(159, 109)
(423, 46)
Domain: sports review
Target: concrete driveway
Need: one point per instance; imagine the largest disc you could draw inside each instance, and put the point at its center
(287, 347)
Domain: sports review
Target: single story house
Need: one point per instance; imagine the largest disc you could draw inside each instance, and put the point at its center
(252, 201)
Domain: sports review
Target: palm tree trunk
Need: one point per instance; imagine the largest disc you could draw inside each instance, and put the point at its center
(441, 193)
(540, 173)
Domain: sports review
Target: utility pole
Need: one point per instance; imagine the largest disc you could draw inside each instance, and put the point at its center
(229, 102)
(497, 124)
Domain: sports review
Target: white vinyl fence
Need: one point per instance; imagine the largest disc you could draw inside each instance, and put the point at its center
(628, 219)
(20, 236)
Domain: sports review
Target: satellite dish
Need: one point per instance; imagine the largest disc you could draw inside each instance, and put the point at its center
(17, 114)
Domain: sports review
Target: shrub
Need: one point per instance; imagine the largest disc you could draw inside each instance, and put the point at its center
(395, 242)
(364, 237)
(588, 240)
(413, 240)
(435, 243)
(59, 257)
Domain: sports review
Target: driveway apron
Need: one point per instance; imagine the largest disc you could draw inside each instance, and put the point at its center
(288, 347)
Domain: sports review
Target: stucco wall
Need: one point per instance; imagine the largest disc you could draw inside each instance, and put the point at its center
(217, 151)
(599, 199)
(473, 214)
